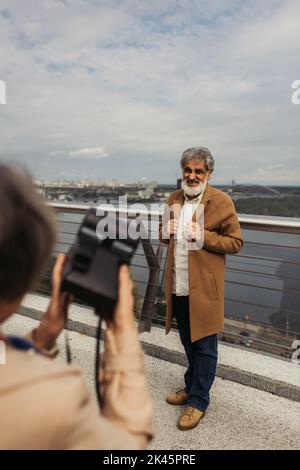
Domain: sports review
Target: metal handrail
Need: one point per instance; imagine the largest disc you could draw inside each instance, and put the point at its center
(260, 222)
(283, 225)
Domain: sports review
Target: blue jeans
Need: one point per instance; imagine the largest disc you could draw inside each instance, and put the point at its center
(202, 357)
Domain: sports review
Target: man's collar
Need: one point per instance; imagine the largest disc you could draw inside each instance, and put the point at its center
(195, 199)
(207, 194)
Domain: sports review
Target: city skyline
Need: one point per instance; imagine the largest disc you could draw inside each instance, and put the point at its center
(118, 90)
(145, 181)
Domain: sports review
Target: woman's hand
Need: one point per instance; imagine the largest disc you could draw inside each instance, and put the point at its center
(123, 319)
(55, 318)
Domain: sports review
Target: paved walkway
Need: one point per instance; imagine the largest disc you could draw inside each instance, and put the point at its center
(240, 417)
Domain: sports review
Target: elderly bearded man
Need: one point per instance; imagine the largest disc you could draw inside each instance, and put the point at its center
(194, 278)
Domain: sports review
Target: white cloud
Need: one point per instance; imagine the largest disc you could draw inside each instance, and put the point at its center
(147, 80)
(92, 152)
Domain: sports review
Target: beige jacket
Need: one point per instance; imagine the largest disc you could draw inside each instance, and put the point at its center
(45, 404)
(222, 235)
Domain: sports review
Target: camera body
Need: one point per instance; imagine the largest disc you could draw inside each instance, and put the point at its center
(91, 272)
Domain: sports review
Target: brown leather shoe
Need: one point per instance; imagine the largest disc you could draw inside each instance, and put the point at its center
(178, 398)
(190, 418)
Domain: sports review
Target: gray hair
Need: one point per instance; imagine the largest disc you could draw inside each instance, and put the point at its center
(201, 154)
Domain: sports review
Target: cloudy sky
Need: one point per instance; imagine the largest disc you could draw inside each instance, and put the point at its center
(109, 89)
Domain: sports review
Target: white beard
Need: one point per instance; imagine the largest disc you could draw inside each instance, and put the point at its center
(195, 191)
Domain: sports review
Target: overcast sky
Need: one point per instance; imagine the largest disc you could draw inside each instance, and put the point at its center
(118, 89)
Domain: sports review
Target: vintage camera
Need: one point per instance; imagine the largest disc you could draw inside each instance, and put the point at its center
(91, 273)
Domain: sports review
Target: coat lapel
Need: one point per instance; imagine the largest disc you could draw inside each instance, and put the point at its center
(198, 215)
(207, 194)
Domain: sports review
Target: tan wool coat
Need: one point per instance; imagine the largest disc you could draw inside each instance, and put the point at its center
(222, 235)
(46, 405)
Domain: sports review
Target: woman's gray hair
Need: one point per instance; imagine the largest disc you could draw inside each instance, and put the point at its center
(201, 154)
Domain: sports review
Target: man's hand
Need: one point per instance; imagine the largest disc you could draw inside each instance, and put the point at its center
(123, 319)
(171, 228)
(193, 231)
(55, 318)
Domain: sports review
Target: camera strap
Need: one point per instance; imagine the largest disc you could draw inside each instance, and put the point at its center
(97, 358)
(68, 347)
(98, 363)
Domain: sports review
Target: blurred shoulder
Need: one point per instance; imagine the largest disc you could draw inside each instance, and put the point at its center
(40, 397)
(23, 368)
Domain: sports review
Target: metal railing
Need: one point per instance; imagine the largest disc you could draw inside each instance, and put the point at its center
(262, 293)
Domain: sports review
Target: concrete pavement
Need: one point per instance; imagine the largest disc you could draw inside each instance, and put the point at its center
(240, 417)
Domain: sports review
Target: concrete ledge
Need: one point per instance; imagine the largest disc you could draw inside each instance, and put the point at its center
(234, 372)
